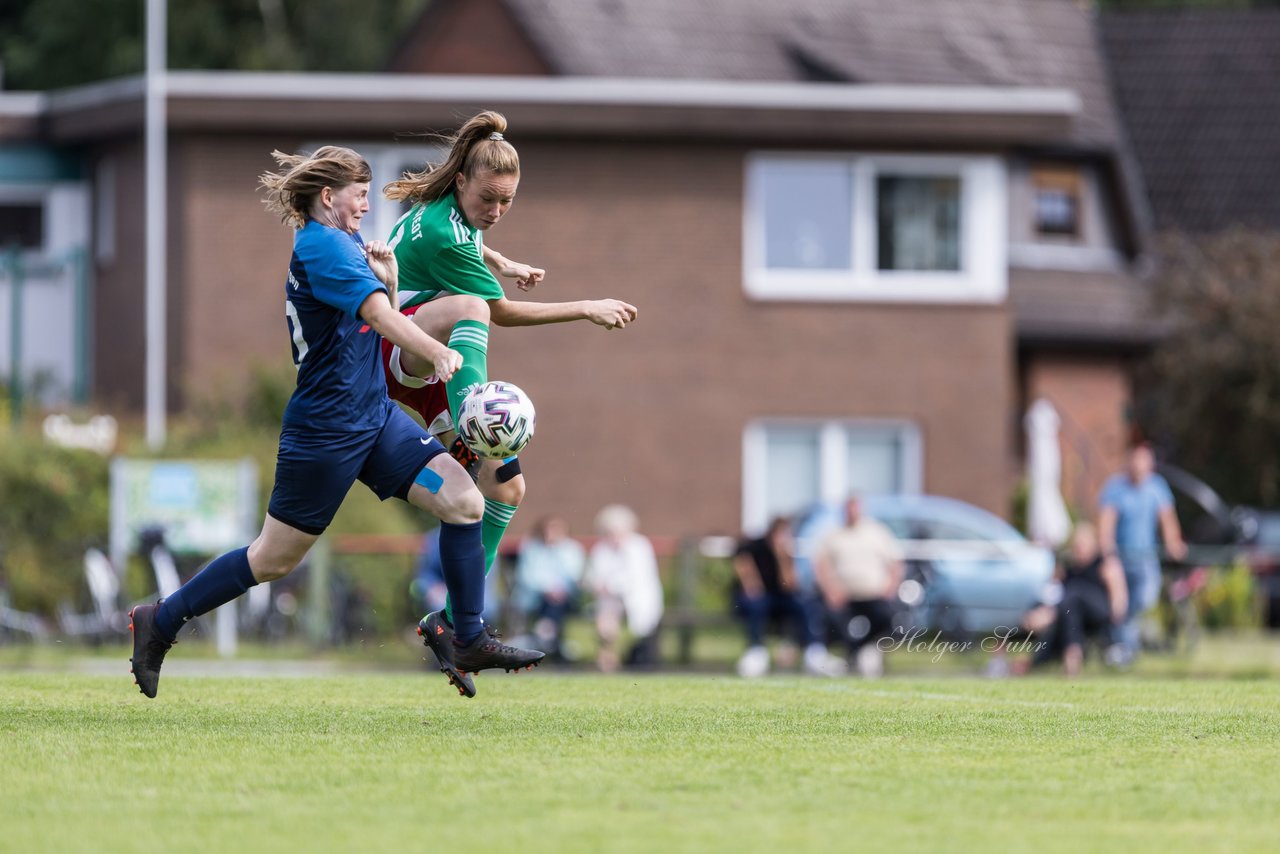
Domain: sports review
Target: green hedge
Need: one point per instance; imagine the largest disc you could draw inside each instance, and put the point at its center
(53, 506)
(54, 501)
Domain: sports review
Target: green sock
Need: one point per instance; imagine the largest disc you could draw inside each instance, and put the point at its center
(471, 339)
(493, 525)
(497, 516)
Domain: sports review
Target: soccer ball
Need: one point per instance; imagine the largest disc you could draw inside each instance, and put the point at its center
(496, 420)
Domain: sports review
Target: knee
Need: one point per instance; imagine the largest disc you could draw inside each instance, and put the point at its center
(511, 492)
(268, 567)
(471, 308)
(273, 573)
(461, 506)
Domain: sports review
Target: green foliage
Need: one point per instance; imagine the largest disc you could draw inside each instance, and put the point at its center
(48, 44)
(1228, 600)
(53, 505)
(54, 502)
(1210, 392)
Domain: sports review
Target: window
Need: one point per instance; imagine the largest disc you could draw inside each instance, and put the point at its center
(21, 225)
(1057, 200)
(918, 223)
(807, 215)
(875, 227)
(789, 466)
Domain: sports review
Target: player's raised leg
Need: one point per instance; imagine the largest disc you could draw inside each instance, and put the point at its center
(462, 321)
(502, 485)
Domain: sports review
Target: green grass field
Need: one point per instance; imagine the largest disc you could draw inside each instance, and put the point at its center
(546, 762)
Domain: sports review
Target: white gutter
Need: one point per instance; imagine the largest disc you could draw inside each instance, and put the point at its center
(587, 91)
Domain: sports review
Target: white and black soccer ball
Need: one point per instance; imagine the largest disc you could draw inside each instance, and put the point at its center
(496, 420)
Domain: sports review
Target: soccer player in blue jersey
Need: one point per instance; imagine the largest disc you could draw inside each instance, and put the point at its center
(340, 426)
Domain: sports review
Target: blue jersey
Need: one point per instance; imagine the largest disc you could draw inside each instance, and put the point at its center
(340, 379)
(1137, 507)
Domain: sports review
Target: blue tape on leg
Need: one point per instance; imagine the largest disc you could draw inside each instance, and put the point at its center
(429, 480)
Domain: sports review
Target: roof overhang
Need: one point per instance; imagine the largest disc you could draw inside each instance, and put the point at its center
(1083, 310)
(235, 102)
(20, 114)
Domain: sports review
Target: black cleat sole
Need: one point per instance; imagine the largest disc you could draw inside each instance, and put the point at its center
(458, 679)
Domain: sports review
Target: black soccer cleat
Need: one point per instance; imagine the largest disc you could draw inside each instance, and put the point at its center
(488, 651)
(466, 457)
(437, 635)
(148, 649)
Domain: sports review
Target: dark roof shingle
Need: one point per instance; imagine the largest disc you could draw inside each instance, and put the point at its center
(1200, 95)
(1048, 43)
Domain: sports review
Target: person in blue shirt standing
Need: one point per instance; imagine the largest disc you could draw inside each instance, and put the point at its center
(1132, 505)
(340, 426)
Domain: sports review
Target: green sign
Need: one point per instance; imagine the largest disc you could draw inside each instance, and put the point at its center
(204, 506)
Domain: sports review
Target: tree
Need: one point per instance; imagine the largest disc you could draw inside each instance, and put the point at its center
(50, 44)
(1210, 392)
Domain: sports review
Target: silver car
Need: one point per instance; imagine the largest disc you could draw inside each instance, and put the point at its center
(967, 570)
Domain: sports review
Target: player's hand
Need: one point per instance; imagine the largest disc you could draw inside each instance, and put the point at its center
(527, 277)
(446, 363)
(611, 313)
(382, 261)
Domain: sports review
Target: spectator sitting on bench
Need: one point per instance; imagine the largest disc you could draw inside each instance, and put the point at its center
(1094, 603)
(548, 571)
(622, 573)
(765, 588)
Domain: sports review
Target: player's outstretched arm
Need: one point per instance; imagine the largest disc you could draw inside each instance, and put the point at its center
(376, 311)
(609, 313)
(526, 275)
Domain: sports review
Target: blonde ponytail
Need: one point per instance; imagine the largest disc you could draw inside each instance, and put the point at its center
(478, 145)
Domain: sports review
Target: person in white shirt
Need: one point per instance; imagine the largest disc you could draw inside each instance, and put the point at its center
(859, 567)
(622, 572)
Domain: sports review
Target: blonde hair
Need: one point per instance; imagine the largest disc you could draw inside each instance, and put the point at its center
(292, 191)
(477, 145)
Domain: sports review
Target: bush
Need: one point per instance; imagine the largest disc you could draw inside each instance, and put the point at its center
(55, 502)
(53, 506)
(1228, 600)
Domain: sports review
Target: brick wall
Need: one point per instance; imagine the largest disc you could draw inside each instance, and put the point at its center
(1092, 395)
(652, 415)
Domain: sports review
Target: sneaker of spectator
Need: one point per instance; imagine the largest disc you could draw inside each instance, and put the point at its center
(819, 662)
(754, 663)
(869, 662)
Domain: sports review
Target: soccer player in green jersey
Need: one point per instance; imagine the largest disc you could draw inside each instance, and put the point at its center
(448, 286)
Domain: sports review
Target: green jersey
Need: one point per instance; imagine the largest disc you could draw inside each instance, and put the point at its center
(439, 252)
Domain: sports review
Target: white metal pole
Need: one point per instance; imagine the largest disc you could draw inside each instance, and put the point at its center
(156, 170)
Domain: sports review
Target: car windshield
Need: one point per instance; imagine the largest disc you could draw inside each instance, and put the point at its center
(932, 518)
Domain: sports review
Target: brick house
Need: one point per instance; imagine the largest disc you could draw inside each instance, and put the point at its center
(862, 237)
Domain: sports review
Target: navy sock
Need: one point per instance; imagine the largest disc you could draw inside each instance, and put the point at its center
(222, 580)
(462, 559)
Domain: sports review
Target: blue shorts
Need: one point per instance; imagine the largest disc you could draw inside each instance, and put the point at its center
(316, 468)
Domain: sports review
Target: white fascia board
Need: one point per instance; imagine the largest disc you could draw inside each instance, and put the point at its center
(293, 86)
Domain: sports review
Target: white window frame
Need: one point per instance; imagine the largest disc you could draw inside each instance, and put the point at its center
(983, 276)
(833, 445)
